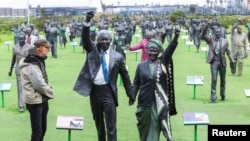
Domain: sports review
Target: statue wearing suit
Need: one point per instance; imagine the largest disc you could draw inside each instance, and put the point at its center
(218, 47)
(92, 82)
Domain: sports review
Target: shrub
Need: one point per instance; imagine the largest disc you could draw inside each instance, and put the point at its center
(4, 27)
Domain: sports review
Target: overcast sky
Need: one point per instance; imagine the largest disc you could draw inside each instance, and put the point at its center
(95, 3)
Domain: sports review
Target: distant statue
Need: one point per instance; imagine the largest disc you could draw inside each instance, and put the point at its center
(248, 33)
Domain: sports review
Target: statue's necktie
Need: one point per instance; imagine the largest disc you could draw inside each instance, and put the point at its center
(104, 67)
(217, 49)
(28, 40)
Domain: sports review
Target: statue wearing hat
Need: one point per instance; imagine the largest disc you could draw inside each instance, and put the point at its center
(154, 86)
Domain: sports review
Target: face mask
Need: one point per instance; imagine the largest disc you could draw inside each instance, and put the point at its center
(103, 42)
(104, 45)
(21, 42)
(217, 36)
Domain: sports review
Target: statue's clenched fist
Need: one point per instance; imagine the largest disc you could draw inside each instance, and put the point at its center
(89, 16)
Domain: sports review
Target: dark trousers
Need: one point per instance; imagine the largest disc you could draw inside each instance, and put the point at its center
(104, 111)
(71, 38)
(216, 67)
(54, 47)
(38, 119)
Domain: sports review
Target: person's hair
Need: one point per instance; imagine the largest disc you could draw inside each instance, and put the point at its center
(217, 28)
(149, 33)
(103, 32)
(22, 34)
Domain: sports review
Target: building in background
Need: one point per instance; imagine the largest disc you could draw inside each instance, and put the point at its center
(212, 7)
(45, 11)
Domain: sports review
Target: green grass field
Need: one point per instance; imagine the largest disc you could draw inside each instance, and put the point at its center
(63, 71)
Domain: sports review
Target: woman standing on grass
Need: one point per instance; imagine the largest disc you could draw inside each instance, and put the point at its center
(154, 83)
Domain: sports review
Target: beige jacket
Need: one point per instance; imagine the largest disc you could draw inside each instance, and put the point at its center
(35, 89)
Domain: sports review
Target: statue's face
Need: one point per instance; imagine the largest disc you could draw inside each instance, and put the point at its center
(153, 53)
(21, 40)
(239, 28)
(160, 25)
(217, 33)
(150, 26)
(104, 41)
(28, 31)
(149, 36)
(121, 33)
